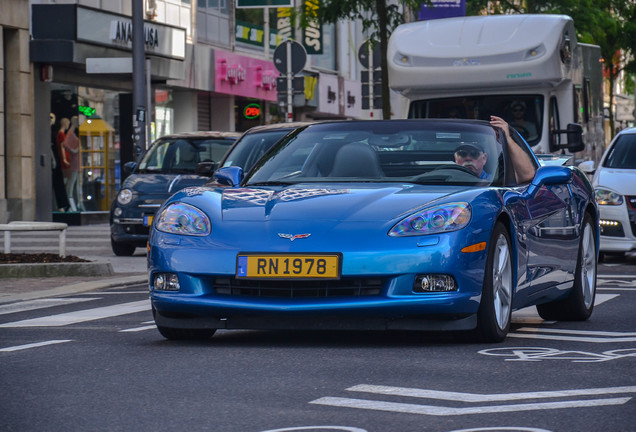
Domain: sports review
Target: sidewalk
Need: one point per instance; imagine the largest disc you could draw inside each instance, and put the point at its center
(90, 242)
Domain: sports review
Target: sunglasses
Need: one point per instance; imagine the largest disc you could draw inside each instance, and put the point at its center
(518, 110)
(473, 153)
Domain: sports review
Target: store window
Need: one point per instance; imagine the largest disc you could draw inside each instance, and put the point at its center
(84, 132)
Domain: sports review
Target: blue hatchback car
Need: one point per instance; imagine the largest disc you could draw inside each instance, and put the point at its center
(166, 167)
(375, 225)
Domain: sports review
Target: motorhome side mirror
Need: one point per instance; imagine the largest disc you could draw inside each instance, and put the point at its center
(574, 133)
(129, 167)
(575, 137)
(229, 176)
(205, 169)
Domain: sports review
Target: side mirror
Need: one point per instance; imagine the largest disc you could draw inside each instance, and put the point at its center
(548, 176)
(129, 167)
(574, 133)
(588, 167)
(229, 176)
(205, 169)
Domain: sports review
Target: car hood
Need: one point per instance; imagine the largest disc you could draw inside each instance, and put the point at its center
(162, 184)
(622, 181)
(335, 202)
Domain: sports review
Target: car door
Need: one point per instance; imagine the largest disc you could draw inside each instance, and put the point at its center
(552, 238)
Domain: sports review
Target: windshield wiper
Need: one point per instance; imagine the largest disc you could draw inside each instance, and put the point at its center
(271, 183)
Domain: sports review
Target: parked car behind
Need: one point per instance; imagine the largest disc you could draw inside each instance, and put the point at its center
(255, 142)
(614, 184)
(166, 167)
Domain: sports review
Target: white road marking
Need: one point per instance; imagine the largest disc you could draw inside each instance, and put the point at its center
(447, 411)
(40, 304)
(138, 329)
(497, 397)
(581, 336)
(33, 345)
(534, 354)
(82, 316)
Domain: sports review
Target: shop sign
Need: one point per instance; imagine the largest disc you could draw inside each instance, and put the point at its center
(437, 9)
(252, 111)
(86, 110)
(263, 3)
(312, 34)
(311, 37)
(114, 30)
(328, 94)
(352, 99)
(244, 76)
(121, 32)
(253, 34)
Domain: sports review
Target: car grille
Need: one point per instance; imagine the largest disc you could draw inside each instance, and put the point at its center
(631, 212)
(355, 287)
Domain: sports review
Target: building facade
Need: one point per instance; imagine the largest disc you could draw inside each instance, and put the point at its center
(68, 118)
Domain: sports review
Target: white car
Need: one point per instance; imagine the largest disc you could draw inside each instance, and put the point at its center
(614, 183)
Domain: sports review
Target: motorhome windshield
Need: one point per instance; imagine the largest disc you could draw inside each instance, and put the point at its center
(523, 112)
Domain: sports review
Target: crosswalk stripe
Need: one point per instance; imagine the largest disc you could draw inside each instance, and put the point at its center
(33, 345)
(82, 315)
(40, 304)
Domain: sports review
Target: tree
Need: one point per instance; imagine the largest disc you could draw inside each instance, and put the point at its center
(379, 18)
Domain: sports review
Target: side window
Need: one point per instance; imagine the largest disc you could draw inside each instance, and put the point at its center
(555, 124)
(587, 100)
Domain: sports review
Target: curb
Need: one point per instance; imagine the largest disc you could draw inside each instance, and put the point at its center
(78, 288)
(56, 270)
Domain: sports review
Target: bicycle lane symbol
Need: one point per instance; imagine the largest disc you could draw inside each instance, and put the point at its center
(541, 353)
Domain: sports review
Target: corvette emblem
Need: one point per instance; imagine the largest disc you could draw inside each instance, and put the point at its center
(293, 237)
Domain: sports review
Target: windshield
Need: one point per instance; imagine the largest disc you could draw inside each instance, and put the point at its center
(623, 153)
(251, 147)
(181, 156)
(522, 112)
(423, 152)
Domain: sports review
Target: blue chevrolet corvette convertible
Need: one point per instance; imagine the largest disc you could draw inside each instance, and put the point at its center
(377, 225)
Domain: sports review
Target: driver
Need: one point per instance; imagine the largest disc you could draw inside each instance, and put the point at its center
(472, 156)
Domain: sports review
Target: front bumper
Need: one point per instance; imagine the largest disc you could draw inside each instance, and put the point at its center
(203, 301)
(618, 232)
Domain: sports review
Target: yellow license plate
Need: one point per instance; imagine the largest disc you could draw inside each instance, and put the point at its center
(288, 266)
(148, 220)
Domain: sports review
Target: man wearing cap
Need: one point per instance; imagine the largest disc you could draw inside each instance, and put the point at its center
(472, 156)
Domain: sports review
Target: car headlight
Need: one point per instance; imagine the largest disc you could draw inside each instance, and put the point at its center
(434, 220)
(124, 196)
(608, 197)
(184, 219)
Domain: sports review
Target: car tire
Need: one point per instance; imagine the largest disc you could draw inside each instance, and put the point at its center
(121, 248)
(579, 304)
(495, 308)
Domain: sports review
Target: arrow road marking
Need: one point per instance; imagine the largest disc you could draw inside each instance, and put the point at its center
(82, 315)
(497, 397)
(471, 398)
(446, 411)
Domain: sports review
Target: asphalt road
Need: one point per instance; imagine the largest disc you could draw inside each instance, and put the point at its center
(94, 361)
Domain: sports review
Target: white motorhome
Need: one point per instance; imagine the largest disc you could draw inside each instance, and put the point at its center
(528, 69)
